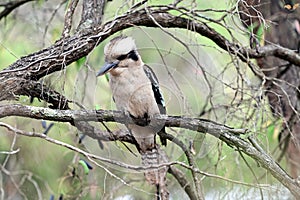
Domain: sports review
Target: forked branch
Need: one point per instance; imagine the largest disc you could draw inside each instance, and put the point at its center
(228, 135)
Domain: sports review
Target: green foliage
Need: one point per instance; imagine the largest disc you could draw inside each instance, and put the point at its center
(84, 166)
(80, 62)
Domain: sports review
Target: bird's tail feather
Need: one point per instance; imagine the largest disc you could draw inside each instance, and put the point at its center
(156, 176)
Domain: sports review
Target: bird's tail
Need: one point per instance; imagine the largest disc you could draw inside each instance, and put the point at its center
(156, 176)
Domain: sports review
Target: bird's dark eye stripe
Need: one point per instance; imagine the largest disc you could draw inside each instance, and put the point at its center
(122, 57)
(132, 54)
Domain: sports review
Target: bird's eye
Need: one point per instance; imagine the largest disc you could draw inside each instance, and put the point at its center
(121, 57)
(132, 55)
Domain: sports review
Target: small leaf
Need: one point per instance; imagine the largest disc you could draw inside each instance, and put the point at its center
(100, 144)
(106, 77)
(85, 166)
(80, 62)
(252, 26)
(81, 138)
(97, 107)
(270, 129)
(260, 35)
(259, 32)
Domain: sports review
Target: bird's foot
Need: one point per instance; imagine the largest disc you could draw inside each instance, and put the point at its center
(141, 121)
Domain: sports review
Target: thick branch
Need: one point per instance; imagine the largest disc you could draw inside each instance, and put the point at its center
(222, 132)
(40, 91)
(196, 124)
(70, 49)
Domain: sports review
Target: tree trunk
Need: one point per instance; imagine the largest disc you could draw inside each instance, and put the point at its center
(281, 26)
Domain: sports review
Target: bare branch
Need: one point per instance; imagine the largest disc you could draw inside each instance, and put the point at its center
(69, 18)
(180, 177)
(10, 6)
(92, 12)
(173, 170)
(40, 91)
(26, 71)
(196, 124)
(70, 49)
(222, 132)
(197, 182)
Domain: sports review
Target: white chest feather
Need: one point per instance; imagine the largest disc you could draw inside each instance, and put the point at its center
(132, 92)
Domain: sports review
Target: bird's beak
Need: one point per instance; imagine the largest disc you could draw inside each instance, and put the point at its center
(107, 67)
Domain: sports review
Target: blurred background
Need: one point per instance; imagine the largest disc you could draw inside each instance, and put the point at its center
(197, 78)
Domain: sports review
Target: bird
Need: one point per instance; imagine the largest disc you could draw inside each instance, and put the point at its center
(135, 90)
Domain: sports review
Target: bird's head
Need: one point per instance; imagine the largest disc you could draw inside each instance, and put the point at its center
(120, 54)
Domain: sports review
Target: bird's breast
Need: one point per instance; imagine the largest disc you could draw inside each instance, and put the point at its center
(132, 92)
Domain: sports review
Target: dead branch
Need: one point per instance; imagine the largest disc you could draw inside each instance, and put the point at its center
(10, 6)
(65, 51)
(226, 134)
(92, 13)
(69, 18)
(178, 175)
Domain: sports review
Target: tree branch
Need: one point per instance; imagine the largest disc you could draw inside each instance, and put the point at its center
(228, 135)
(92, 13)
(70, 49)
(69, 18)
(10, 6)
(178, 175)
(42, 92)
(196, 124)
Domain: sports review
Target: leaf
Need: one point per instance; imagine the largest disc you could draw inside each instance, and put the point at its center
(260, 35)
(97, 107)
(106, 77)
(80, 62)
(259, 32)
(84, 166)
(271, 129)
(252, 26)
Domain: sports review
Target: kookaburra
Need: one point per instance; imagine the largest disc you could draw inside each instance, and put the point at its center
(135, 89)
